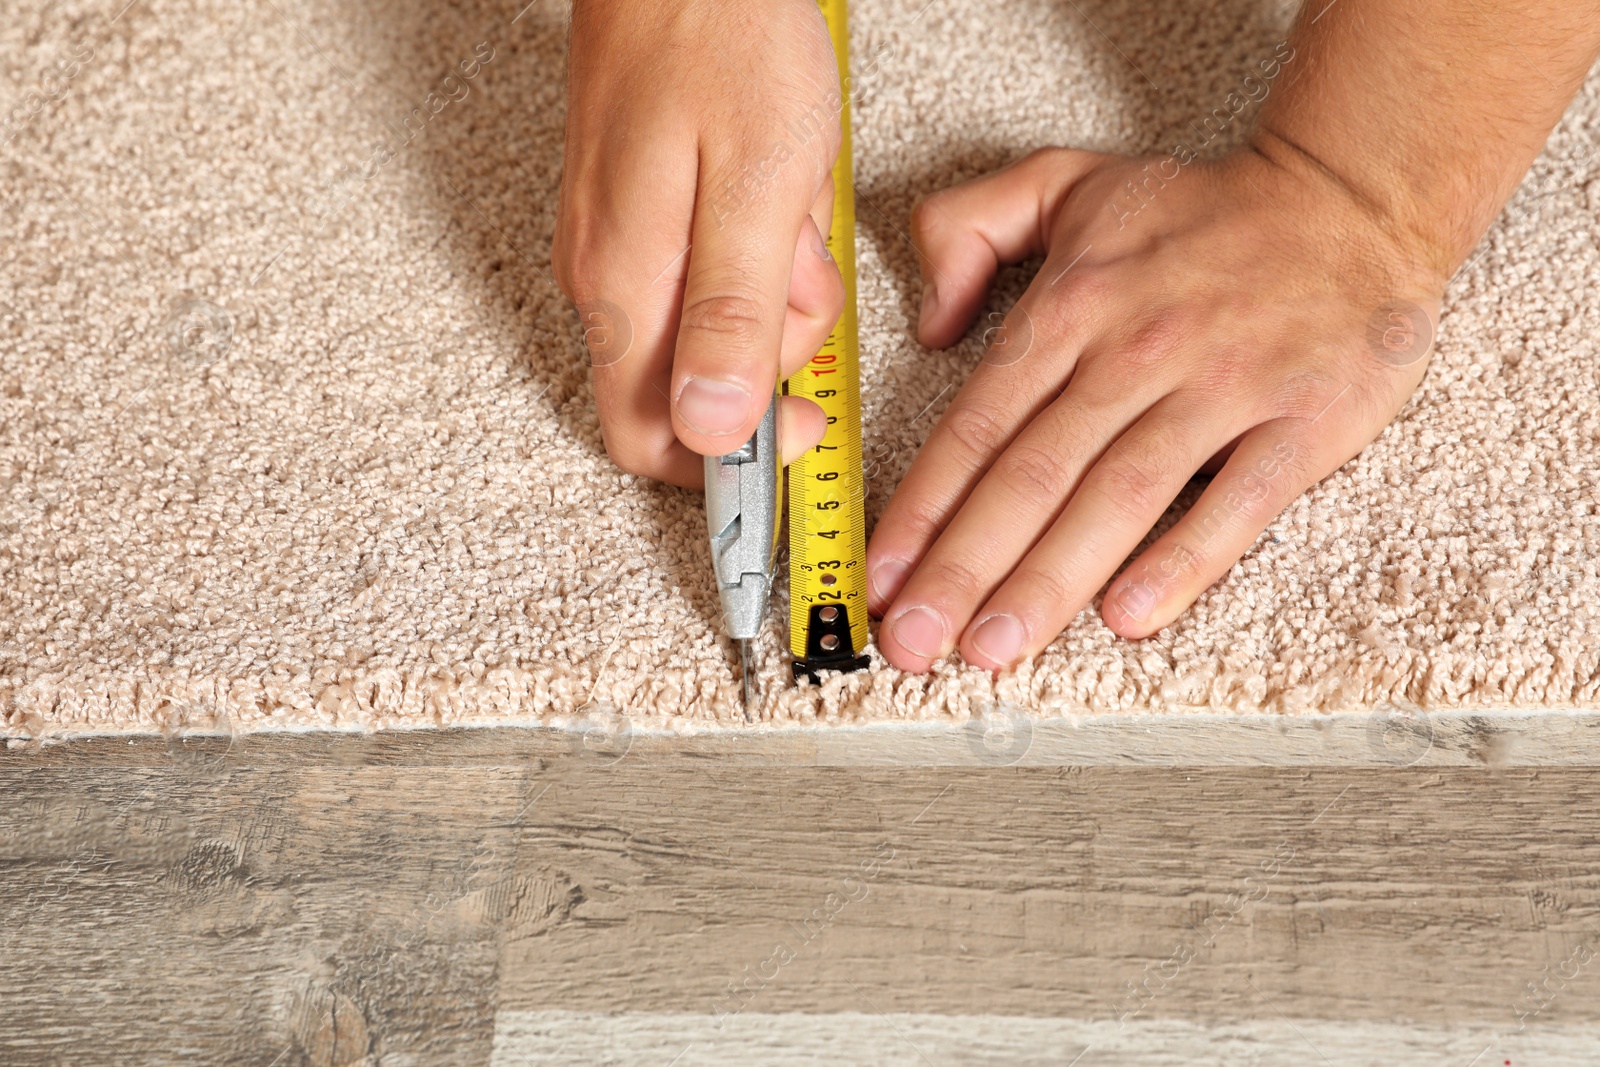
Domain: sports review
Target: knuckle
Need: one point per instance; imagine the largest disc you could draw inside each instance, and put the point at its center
(1290, 468)
(558, 266)
(575, 252)
(834, 307)
(1087, 286)
(1155, 339)
(1376, 399)
(925, 519)
(820, 138)
(1034, 472)
(1291, 456)
(1130, 491)
(1304, 394)
(736, 319)
(582, 288)
(1224, 372)
(955, 575)
(633, 459)
(925, 215)
(1046, 154)
(1042, 162)
(979, 434)
(636, 452)
(561, 263)
(578, 275)
(1079, 299)
(1042, 586)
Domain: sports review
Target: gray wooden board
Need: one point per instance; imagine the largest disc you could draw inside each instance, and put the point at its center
(1005, 736)
(330, 899)
(902, 1039)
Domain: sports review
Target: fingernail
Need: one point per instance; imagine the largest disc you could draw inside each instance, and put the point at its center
(930, 306)
(1000, 638)
(713, 406)
(920, 631)
(818, 245)
(887, 578)
(1136, 600)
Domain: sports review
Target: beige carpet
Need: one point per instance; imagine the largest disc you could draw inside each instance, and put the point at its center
(293, 434)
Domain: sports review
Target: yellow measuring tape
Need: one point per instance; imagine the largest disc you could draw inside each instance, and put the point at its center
(827, 492)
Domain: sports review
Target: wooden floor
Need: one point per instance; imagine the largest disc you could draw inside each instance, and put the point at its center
(530, 896)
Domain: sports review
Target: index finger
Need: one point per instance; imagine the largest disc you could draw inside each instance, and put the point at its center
(735, 299)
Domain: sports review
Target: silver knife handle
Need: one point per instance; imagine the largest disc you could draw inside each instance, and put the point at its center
(742, 513)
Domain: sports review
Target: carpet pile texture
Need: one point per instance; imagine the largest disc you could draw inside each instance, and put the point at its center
(296, 431)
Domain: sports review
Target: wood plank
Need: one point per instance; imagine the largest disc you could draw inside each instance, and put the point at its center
(1000, 735)
(1359, 894)
(247, 914)
(900, 1039)
(324, 899)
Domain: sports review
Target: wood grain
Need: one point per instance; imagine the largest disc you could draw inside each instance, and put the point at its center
(326, 899)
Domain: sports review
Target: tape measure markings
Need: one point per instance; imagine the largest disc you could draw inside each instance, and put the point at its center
(827, 491)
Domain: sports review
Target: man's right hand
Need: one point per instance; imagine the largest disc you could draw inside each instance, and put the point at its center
(695, 196)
